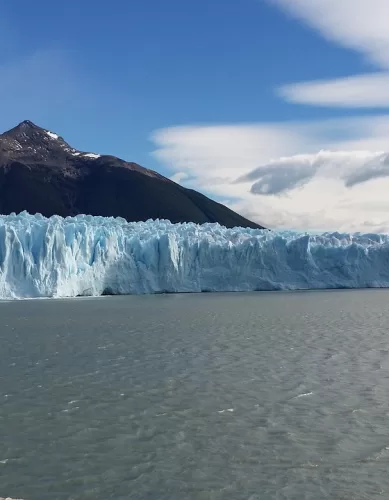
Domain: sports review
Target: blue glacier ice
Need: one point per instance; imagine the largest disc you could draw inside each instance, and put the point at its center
(91, 256)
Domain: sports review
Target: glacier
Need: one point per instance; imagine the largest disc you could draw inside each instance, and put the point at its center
(92, 256)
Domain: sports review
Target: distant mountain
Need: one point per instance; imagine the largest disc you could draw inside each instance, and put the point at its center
(41, 173)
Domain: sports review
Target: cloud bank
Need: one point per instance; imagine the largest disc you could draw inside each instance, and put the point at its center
(340, 183)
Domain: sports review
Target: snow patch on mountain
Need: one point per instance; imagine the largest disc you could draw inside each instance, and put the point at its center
(92, 155)
(52, 135)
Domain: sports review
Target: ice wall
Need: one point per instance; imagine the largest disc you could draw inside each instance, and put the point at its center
(87, 255)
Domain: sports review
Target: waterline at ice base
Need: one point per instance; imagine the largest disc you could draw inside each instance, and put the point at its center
(92, 256)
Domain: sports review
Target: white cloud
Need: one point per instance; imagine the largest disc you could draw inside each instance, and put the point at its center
(280, 175)
(179, 177)
(361, 25)
(362, 91)
(288, 173)
(218, 152)
(343, 188)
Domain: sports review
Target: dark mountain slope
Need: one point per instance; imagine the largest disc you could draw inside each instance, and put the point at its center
(40, 172)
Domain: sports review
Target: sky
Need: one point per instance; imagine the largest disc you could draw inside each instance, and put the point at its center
(277, 108)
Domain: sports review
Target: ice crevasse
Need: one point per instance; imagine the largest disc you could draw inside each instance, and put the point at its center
(91, 256)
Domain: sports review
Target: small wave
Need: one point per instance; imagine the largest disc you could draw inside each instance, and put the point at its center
(305, 394)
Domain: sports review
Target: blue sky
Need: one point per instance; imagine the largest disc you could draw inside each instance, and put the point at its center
(217, 86)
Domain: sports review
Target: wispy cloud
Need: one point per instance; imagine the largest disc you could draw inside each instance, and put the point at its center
(286, 174)
(362, 91)
(374, 168)
(359, 25)
(280, 176)
(215, 153)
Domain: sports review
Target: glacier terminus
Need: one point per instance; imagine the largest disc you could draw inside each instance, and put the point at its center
(92, 256)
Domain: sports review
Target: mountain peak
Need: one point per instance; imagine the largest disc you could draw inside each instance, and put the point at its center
(23, 127)
(28, 140)
(27, 131)
(27, 123)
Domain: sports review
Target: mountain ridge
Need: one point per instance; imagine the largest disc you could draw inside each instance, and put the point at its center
(41, 173)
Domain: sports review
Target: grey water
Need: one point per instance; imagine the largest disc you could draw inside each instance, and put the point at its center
(210, 396)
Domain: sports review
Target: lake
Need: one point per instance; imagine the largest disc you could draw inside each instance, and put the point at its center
(210, 396)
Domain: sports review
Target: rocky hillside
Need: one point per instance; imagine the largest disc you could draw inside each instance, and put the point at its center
(40, 172)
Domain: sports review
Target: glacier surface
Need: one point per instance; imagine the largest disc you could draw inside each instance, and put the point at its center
(91, 256)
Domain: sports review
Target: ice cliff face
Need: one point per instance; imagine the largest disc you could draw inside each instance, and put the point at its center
(87, 255)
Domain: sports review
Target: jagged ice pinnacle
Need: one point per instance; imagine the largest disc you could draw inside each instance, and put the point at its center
(91, 256)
